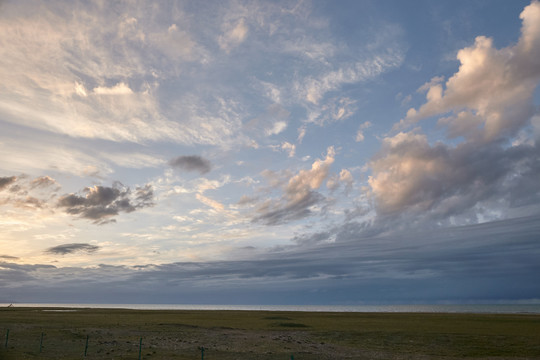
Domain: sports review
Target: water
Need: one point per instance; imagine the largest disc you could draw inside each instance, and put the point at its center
(470, 308)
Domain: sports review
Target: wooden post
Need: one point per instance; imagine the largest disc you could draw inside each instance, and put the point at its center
(140, 348)
(202, 352)
(41, 343)
(7, 337)
(86, 346)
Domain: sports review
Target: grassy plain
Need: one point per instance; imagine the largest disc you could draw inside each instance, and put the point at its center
(227, 335)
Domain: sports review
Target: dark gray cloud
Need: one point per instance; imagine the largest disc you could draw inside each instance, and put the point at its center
(72, 248)
(484, 262)
(422, 183)
(191, 163)
(23, 192)
(8, 257)
(101, 203)
(5, 181)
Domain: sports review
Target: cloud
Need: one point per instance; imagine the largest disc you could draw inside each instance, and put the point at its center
(8, 257)
(118, 89)
(21, 153)
(209, 202)
(191, 163)
(272, 121)
(66, 249)
(490, 96)
(6, 181)
(360, 132)
(26, 193)
(315, 88)
(410, 175)
(43, 182)
(234, 34)
(96, 72)
(100, 203)
(290, 148)
(133, 160)
(300, 194)
(481, 178)
(459, 264)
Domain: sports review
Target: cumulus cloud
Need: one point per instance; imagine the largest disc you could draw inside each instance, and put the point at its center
(410, 175)
(300, 194)
(480, 178)
(343, 178)
(191, 163)
(66, 249)
(490, 96)
(101, 203)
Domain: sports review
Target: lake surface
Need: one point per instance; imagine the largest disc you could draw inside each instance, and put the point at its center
(476, 308)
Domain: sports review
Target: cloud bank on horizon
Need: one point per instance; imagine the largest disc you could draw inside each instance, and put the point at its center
(255, 151)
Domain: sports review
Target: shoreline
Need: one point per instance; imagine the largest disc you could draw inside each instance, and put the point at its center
(437, 308)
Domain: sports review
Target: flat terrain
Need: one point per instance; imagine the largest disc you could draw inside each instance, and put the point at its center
(116, 334)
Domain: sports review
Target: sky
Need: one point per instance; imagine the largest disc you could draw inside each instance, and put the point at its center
(270, 152)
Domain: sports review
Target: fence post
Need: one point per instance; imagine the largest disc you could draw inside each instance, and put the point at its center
(202, 352)
(7, 337)
(86, 346)
(140, 348)
(41, 343)
(292, 357)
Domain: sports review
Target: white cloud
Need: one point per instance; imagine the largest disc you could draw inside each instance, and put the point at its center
(210, 202)
(234, 34)
(290, 148)
(307, 180)
(277, 127)
(25, 155)
(300, 198)
(346, 177)
(491, 94)
(315, 88)
(118, 89)
(48, 61)
(133, 160)
(360, 132)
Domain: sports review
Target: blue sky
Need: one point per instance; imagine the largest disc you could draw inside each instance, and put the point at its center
(269, 152)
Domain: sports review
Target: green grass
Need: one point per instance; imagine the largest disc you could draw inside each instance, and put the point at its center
(115, 334)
